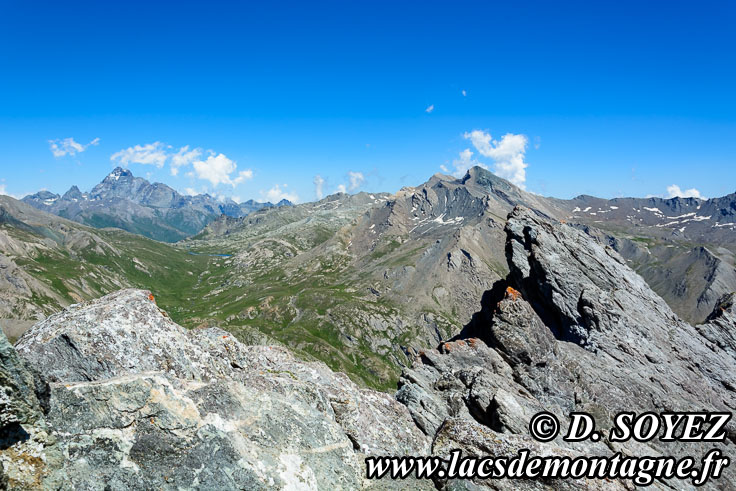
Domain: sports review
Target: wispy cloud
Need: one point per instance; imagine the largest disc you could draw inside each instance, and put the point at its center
(67, 146)
(276, 194)
(464, 162)
(149, 154)
(464, 93)
(429, 109)
(341, 188)
(356, 180)
(507, 154)
(183, 158)
(674, 191)
(319, 183)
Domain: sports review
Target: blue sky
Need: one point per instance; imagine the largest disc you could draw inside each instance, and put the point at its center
(603, 98)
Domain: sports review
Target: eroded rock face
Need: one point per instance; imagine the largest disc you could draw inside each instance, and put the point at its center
(720, 327)
(574, 329)
(137, 402)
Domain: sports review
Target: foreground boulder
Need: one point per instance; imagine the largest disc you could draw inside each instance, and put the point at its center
(137, 402)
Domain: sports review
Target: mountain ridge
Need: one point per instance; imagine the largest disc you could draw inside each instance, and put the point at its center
(364, 281)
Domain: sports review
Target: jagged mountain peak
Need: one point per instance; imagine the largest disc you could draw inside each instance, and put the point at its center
(73, 193)
(119, 172)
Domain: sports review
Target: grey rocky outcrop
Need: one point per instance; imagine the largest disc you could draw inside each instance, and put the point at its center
(137, 402)
(572, 328)
(720, 327)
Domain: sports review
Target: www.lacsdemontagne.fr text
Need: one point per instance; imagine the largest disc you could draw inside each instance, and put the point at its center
(642, 471)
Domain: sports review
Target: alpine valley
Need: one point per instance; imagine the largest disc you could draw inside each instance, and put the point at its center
(149, 333)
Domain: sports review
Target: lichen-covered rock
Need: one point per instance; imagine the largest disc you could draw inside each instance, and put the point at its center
(137, 402)
(24, 436)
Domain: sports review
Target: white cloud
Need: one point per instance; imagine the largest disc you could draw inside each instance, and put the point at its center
(149, 154)
(430, 108)
(464, 93)
(191, 192)
(675, 191)
(319, 183)
(2, 190)
(183, 158)
(507, 154)
(276, 194)
(341, 189)
(217, 169)
(356, 180)
(67, 146)
(464, 162)
(243, 175)
(444, 168)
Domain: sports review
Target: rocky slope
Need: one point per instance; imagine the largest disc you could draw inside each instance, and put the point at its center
(363, 281)
(131, 203)
(683, 247)
(47, 262)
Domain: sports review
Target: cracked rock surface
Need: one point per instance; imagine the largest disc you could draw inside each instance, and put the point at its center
(138, 402)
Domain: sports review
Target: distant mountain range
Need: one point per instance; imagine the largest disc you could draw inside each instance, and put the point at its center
(357, 280)
(131, 203)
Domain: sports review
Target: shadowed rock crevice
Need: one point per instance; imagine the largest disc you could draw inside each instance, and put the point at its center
(11, 434)
(528, 276)
(478, 325)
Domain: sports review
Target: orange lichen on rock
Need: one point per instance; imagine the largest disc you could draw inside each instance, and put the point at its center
(151, 297)
(512, 293)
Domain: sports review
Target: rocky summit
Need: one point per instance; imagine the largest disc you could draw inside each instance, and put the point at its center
(112, 394)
